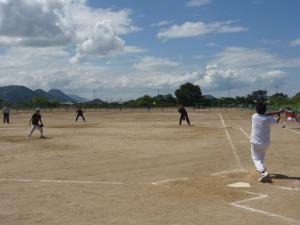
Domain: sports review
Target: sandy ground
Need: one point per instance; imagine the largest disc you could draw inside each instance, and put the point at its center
(142, 168)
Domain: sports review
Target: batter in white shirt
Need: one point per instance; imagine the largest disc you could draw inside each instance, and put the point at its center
(260, 137)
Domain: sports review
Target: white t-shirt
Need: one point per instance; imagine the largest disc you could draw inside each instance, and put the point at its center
(261, 129)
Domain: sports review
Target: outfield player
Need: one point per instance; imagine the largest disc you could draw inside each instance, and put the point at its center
(290, 115)
(80, 114)
(37, 123)
(183, 115)
(260, 137)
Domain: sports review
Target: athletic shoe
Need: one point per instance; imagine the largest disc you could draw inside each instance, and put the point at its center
(27, 137)
(264, 177)
(283, 126)
(43, 137)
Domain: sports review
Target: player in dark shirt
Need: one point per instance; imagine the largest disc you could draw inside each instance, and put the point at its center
(37, 123)
(6, 112)
(80, 114)
(183, 114)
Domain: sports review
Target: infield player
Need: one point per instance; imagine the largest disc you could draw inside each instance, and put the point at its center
(183, 115)
(80, 114)
(260, 137)
(37, 123)
(290, 115)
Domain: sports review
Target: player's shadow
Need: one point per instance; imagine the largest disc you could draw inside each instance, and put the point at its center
(283, 177)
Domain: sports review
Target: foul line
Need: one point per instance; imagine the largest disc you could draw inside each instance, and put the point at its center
(62, 181)
(169, 180)
(220, 174)
(293, 131)
(244, 132)
(261, 196)
(231, 144)
(287, 188)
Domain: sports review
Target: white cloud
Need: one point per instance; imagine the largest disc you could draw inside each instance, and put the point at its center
(237, 68)
(194, 29)
(49, 67)
(295, 42)
(134, 49)
(152, 64)
(196, 3)
(162, 23)
(44, 23)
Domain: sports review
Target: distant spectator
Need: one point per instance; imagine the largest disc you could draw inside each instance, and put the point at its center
(6, 113)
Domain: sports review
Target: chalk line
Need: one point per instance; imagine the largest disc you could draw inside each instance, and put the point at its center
(220, 174)
(286, 188)
(293, 131)
(259, 197)
(61, 181)
(237, 141)
(244, 132)
(238, 161)
(169, 180)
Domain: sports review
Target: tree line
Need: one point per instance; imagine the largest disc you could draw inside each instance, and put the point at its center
(187, 94)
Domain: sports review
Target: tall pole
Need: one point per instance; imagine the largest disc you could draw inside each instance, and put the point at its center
(229, 89)
(158, 92)
(94, 94)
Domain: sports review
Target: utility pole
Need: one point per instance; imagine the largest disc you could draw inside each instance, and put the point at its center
(229, 86)
(94, 94)
(158, 92)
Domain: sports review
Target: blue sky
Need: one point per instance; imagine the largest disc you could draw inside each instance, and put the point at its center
(127, 48)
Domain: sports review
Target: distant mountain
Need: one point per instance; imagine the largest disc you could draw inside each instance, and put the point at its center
(97, 101)
(42, 93)
(59, 95)
(209, 97)
(78, 98)
(16, 95)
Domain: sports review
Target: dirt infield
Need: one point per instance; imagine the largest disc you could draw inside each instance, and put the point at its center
(143, 169)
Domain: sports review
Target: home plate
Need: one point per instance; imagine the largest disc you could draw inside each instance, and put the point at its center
(239, 185)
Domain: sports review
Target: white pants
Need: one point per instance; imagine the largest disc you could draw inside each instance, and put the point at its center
(258, 153)
(35, 127)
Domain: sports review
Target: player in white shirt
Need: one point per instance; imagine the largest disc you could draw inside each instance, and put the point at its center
(260, 137)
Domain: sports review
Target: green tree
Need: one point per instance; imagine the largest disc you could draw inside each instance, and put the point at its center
(39, 102)
(279, 99)
(257, 96)
(189, 94)
(165, 100)
(296, 98)
(144, 101)
(242, 101)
